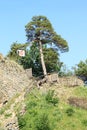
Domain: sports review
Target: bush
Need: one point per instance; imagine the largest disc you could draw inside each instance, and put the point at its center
(31, 105)
(21, 121)
(54, 101)
(50, 97)
(84, 122)
(32, 112)
(70, 111)
(42, 122)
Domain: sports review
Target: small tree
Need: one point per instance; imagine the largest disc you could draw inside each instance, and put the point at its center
(12, 54)
(81, 70)
(39, 30)
(32, 60)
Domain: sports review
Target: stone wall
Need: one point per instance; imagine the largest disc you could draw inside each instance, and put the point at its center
(70, 81)
(13, 79)
(29, 72)
(12, 124)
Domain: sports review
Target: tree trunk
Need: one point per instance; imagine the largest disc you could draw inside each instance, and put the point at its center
(42, 60)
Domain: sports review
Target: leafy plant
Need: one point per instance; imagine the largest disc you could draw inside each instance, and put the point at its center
(50, 97)
(70, 111)
(21, 121)
(8, 115)
(31, 104)
(81, 70)
(84, 122)
(42, 122)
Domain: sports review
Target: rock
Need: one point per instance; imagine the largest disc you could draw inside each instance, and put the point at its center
(13, 79)
(12, 124)
(70, 81)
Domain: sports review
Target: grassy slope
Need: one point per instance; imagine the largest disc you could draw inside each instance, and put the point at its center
(61, 116)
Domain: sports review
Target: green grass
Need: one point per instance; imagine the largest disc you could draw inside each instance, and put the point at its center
(80, 92)
(43, 115)
(8, 105)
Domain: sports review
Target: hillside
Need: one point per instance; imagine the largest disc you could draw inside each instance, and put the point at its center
(13, 79)
(13, 83)
(22, 103)
(50, 110)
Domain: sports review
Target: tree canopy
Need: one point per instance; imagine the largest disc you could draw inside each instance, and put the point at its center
(32, 60)
(40, 35)
(40, 31)
(81, 70)
(12, 54)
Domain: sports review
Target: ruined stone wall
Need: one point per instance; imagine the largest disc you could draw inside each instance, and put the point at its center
(70, 81)
(13, 79)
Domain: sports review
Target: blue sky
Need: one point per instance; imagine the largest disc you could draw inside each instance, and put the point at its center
(68, 17)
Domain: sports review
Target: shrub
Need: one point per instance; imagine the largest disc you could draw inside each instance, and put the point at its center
(54, 101)
(50, 97)
(32, 112)
(57, 114)
(42, 122)
(70, 111)
(84, 122)
(31, 105)
(8, 115)
(21, 121)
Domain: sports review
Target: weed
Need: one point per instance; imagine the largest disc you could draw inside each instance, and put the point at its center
(84, 122)
(8, 115)
(50, 97)
(21, 121)
(70, 111)
(42, 122)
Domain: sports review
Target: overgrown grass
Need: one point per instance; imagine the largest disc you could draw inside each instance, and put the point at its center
(41, 114)
(8, 105)
(80, 92)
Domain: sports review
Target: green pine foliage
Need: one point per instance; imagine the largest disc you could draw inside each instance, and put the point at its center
(40, 29)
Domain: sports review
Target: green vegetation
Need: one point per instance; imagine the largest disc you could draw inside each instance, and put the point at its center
(42, 122)
(40, 32)
(43, 114)
(80, 92)
(32, 60)
(45, 44)
(70, 111)
(8, 115)
(50, 97)
(45, 111)
(12, 54)
(8, 105)
(81, 69)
